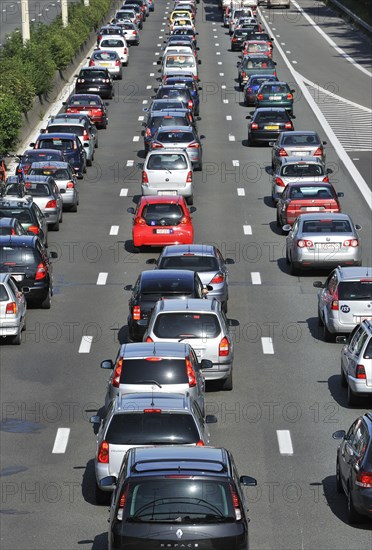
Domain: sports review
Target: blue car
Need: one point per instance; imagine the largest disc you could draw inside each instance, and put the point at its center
(191, 84)
(254, 82)
(71, 146)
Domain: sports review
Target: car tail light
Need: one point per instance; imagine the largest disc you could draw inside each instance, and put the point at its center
(189, 177)
(117, 63)
(289, 96)
(51, 204)
(103, 453)
(364, 479)
(145, 179)
(13, 232)
(70, 185)
(249, 90)
(85, 135)
(189, 104)
(125, 51)
(134, 33)
(91, 63)
(148, 132)
(190, 373)
(283, 153)
(11, 308)
(193, 145)
(122, 501)
(200, 443)
(156, 145)
(34, 229)
(288, 125)
(185, 220)
(224, 347)
(351, 242)
(99, 37)
(149, 339)
(279, 182)
(41, 271)
(218, 278)
(302, 244)
(254, 126)
(244, 74)
(139, 221)
(235, 499)
(274, 73)
(318, 152)
(149, 411)
(361, 372)
(234, 39)
(136, 313)
(334, 304)
(260, 97)
(97, 111)
(326, 179)
(117, 373)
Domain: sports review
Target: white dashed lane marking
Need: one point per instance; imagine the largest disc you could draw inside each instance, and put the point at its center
(228, 117)
(241, 192)
(231, 137)
(114, 230)
(86, 343)
(136, 138)
(284, 442)
(267, 345)
(222, 74)
(61, 440)
(102, 278)
(123, 192)
(247, 229)
(235, 163)
(225, 100)
(141, 118)
(130, 162)
(255, 278)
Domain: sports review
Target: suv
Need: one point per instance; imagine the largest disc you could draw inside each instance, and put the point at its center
(178, 497)
(354, 468)
(154, 285)
(27, 213)
(68, 143)
(12, 309)
(356, 363)
(95, 80)
(80, 127)
(146, 419)
(345, 299)
(202, 324)
(28, 261)
(167, 366)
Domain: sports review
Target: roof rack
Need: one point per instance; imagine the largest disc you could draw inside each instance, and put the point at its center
(182, 465)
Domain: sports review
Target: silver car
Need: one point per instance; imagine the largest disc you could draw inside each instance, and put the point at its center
(322, 241)
(356, 363)
(130, 30)
(12, 309)
(345, 300)
(162, 366)
(206, 260)
(143, 419)
(168, 172)
(297, 169)
(65, 178)
(180, 137)
(109, 59)
(297, 143)
(202, 324)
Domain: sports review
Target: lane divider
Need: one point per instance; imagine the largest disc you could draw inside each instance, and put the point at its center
(102, 278)
(61, 440)
(284, 442)
(267, 345)
(85, 344)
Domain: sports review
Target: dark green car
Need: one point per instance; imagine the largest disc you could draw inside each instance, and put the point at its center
(254, 64)
(275, 94)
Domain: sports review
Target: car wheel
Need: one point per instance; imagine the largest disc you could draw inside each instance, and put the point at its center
(55, 226)
(278, 222)
(343, 380)
(96, 144)
(250, 142)
(287, 258)
(339, 487)
(227, 384)
(224, 307)
(74, 208)
(352, 515)
(351, 398)
(89, 162)
(85, 168)
(17, 339)
(47, 302)
(61, 216)
(293, 268)
(103, 126)
(24, 324)
(200, 167)
(328, 336)
(190, 200)
(102, 497)
(320, 320)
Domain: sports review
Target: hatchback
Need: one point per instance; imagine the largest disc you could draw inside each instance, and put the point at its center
(83, 119)
(71, 146)
(12, 309)
(156, 483)
(258, 46)
(188, 81)
(354, 468)
(77, 128)
(32, 155)
(115, 43)
(344, 300)
(238, 38)
(322, 241)
(185, 138)
(178, 91)
(129, 30)
(253, 84)
(162, 220)
(297, 144)
(109, 29)
(202, 324)
(178, 64)
(64, 178)
(163, 366)
(27, 212)
(91, 104)
(266, 123)
(107, 58)
(164, 118)
(168, 172)
(254, 64)
(146, 419)
(95, 80)
(297, 170)
(275, 94)
(132, 13)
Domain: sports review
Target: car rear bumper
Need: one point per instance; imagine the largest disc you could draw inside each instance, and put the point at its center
(102, 91)
(10, 327)
(219, 371)
(335, 326)
(324, 260)
(147, 238)
(362, 500)
(51, 215)
(358, 386)
(69, 198)
(185, 191)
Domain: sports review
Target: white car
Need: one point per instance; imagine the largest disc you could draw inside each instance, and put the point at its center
(297, 169)
(12, 308)
(117, 44)
(187, 50)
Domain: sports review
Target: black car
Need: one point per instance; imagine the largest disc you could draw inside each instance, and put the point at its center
(354, 468)
(164, 118)
(155, 285)
(176, 91)
(191, 83)
(95, 80)
(28, 261)
(178, 497)
(27, 212)
(238, 38)
(11, 226)
(267, 123)
(39, 155)
(71, 146)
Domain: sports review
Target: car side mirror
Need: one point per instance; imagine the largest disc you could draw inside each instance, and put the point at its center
(107, 364)
(158, 62)
(145, 109)
(107, 103)
(340, 434)
(206, 364)
(139, 165)
(64, 102)
(198, 118)
(192, 209)
(32, 144)
(340, 194)
(293, 91)
(237, 63)
(292, 116)
(229, 261)
(202, 136)
(53, 255)
(341, 339)
(26, 289)
(210, 419)
(128, 287)
(248, 481)
(248, 117)
(357, 226)
(200, 88)
(287, 227)
(271, 143)
(130, 210)
(95, 419)
(233, 322)
(151, 261)
(199, 61)
(329, 171)
(324, 142)
(108, 483)
(318, 284)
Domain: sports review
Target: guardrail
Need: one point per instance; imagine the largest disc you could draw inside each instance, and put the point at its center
(352, 15)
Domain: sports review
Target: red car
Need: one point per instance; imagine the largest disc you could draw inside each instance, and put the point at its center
(299, 198)
(91, 104)
(160, 220)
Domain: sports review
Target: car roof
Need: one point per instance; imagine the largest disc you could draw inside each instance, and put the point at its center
(18, 240)
(292, 184)
(163, 458)
(175, 350)
(155, 274)
(4, 277)
(62, 135)
(195, 249)
(187, 305)
(354, 272)
(267, 109)
(165, 151)
(6, 221)
(324, 216)
(41, 151)
(161, 199)
(136, 402)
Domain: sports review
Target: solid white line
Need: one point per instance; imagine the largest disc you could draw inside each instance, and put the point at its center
(247, 229)
(130, 162)
(123, 192)
(284, 442)
(267, 345)
(61, 440)
(256, 278)
(136, 138)
(102, 278)
(235, 163)
(241, 191)
(85, 344)
(114, 230)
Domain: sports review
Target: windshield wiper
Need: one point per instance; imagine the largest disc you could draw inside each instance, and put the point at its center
(186, 337)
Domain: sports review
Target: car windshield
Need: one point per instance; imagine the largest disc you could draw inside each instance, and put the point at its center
(187, 325)
(183, 500)
(23, 215)
(141, 428)
(300, 170)
(192, 262)
(180, 61)
(355, 290)
(311, 192)
(298, 139)
(274, 89)
(326, 226)
(163, 371)
(56, 143)
(16, 256)
(159, 214)
(167, 162)
(175, 137)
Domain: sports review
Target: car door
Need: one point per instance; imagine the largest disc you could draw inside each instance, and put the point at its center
(326, 294)
(19, 296)
(291, 239)
(41, 221)
(347, 451)
(200, 420)
(354, 357)
(200, 384)
(348, 349)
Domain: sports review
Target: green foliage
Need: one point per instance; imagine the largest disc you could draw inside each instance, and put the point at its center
(15, 83)
(10, 122)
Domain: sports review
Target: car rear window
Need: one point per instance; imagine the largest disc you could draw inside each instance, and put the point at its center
(170, 213)
(164, 371)
(112, 43)
(66, 129)
(355, 290)
(305, 140)
(271, 116)
(171, 121)
(194, 263)
(326, 226)
(56, 143)
(180, 61)
(16, 255)
(165, 499)
(301, 170)
(312, 192)
(35, 157)
(59, 174)
(89, 74)
(37, 189)
(161, 284)
(169, 104)
(23, 215)
(3, 294)
(263, 63)
(187, 325)
(259, 79)
(274, 89)
(85, 101)
(152, 429)
(181, 94)
(167, 162)
(175, 137)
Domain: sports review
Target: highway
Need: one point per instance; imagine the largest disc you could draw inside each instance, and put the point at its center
(286, 378)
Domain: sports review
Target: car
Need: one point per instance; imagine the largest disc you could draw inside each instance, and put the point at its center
(322, 241)
(13, 308)
(155, 285)
(96, 80)
(297, 170)
(354, 468)
(344, 300)
(142, 5)
(11, 226)
(180, 137)
(253, 84)
(27, 212)
(26, 259)
(178, 91)
(175, 118)
(254, 64)
(83, 118)
(161, 220)
(261, 35)
(299, 143)
(163, 366)
(258, 46)
(238, 38)
(90, 104)
(237, 14)
(181, 13)
(185, 31)
(79, 127)
(130, 32)
(45, 193)
(168, 172)
(109, 29)
(206, 260)
(156, 482)
(190, 82)
(65, 179)
(202, 324)
(250, 23)
(280, 3)
(166, 104)
(298, 198)
(181, 40)
(107, 58)
(266, 123)
(115, 43)
(33, 155)
(132, 13)
(184, 21)
(152, 418)
(71, 146)
(179, 64)
(275, 94)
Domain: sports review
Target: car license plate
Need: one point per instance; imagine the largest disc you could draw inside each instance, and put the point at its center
(360, 319)
(275, 97)
(300, 153)
(329, 247)
(105, 64)
(311, 208)
(167, 192)
(163, 231)
(271, 127)
(93, 89)
(18, 277)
